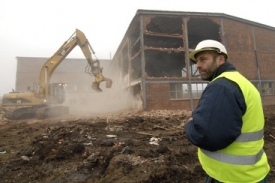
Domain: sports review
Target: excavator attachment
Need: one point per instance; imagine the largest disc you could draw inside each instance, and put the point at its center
(98, 79)
(109, 83)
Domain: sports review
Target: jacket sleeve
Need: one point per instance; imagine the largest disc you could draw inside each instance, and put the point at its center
(217, 121)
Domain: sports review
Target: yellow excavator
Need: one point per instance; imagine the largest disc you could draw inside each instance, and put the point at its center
(46, 102)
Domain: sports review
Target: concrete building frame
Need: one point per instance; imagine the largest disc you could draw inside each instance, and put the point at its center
(152, 58)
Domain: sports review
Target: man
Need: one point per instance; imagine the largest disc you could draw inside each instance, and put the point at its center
(228, 123)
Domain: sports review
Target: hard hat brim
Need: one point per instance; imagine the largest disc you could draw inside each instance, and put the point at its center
(193, 53)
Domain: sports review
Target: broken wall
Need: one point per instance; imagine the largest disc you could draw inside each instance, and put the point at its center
(154, 55)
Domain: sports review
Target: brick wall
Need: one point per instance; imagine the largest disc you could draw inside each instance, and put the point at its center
(241, 40)
(158, 97)
(238, 38)
(265, 40)
(268, 100)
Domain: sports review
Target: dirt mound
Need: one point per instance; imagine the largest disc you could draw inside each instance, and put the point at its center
(134, 147)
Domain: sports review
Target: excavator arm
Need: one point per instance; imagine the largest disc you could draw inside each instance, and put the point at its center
(96, 70)
(77, 38)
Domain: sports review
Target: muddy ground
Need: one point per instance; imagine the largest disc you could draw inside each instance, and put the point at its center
(132, 147)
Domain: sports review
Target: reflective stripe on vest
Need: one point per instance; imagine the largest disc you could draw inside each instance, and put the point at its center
(233, 159)
(239, 160)
(251, 136)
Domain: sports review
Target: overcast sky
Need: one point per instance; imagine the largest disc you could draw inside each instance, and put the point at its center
(37, 28)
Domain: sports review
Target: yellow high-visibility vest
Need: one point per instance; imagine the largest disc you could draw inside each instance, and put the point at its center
(243, 161)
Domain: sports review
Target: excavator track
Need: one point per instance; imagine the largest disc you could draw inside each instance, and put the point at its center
(19, 113)
(52, 111)
(8, 115)
(40, 112)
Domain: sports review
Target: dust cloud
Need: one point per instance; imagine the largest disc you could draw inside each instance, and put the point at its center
(110, 101)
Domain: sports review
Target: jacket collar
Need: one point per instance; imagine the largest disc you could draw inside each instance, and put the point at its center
(227, 66)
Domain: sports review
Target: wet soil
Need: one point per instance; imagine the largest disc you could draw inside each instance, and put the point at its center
(132, 147)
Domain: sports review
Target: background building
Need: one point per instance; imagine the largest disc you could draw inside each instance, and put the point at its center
(152, 58)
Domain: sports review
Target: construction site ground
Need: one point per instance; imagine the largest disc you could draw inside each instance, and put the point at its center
(128, 147)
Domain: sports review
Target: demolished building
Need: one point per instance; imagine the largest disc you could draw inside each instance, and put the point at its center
(153, 64)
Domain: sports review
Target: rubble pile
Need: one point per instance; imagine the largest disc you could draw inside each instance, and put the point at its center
(131, 147)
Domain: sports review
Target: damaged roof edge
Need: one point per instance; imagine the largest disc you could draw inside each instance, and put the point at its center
(186, 13)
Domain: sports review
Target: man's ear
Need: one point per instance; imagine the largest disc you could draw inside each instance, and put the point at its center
(221, 59)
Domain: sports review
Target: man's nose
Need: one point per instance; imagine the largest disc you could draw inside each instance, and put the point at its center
(198, 64)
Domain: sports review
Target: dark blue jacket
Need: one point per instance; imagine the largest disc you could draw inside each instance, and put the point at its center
(217, 121)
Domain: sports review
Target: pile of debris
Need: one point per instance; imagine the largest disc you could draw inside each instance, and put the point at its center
(129, 147)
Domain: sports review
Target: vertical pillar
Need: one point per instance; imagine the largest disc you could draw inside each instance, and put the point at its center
(223, 40)
(143, 79)
(257, 63)
(128, 44)
(186, 46)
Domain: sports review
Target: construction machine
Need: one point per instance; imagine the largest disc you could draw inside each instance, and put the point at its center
(47, 101)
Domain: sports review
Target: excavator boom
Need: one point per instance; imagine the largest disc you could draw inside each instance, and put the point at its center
(77, 38)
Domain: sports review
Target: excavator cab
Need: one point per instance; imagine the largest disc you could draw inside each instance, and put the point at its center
(57, 93)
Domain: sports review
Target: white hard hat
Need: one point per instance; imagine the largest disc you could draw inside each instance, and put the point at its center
(208, 45)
